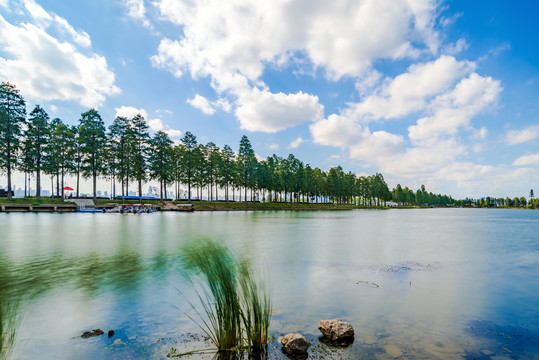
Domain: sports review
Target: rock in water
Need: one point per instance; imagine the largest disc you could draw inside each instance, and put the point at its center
(95, 332)
(294, 344)
(336, 329)
(111, 333)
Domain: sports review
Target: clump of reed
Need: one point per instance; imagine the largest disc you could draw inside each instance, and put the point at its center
(9, 314)
(236, 312)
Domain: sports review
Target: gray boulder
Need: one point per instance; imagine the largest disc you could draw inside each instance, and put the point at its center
(294, 344)
(336, 329)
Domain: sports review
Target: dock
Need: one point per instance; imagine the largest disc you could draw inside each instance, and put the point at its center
(62, 208)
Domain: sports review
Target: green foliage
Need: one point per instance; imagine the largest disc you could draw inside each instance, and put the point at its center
(161, 159)
(256, 306)
(10, 317)
(12, 117)
(92, 140)
(236, 309)
(220, 300)
(36, 144)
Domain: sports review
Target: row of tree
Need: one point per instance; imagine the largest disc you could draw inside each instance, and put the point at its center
(127, 154)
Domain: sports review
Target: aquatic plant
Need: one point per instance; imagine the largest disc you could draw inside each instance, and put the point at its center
(220, 300)
(9, 314)
(256, 309)
(236, 309)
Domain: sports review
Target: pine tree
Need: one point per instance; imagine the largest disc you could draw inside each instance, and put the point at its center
(92, 139)
(12, 117)
(38, 135)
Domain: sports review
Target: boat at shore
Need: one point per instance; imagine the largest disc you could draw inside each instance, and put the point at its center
(132, 209)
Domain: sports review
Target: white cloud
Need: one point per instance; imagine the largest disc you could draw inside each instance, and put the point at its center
(130, 112)
(201, 103)
(233, 43)
(46, 20)
(296, 143)
(520, 136)
(173, 133)
(260, 110)
(137, 10)
(527, 160)
(273, 146)
(336, 130)
(454, 49)
(48, 68)
(154, 124)
(409, 92)
(454, 109)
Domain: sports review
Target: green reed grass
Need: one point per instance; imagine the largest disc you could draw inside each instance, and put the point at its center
(9, 322)
(256, 309)
(236, 309)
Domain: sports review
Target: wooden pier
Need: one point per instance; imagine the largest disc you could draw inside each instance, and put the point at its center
(38, 208)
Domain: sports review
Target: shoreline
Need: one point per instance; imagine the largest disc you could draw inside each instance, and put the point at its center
(60, 207)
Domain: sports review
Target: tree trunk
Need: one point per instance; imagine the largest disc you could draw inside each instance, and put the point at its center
(38, 181)
(9, 182)
(63, 184)
(95, 186)
(78, 178)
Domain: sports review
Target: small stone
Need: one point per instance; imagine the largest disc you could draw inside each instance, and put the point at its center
(487, 352)
(336, 329)
(118, 342)
(95, 332)
(369, 341)
(111, 333)
(393, 351)
(294, 343)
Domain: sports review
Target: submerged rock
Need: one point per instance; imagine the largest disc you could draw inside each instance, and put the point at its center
(294, 344)
(336, 330)
(95, 332)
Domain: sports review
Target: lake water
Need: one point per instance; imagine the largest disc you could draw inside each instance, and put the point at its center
(421, 284)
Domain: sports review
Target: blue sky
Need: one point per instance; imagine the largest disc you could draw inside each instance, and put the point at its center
(441, 93)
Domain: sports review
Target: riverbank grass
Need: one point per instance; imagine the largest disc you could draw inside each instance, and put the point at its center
(236, 310)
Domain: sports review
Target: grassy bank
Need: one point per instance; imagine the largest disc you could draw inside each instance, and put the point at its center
(35, 201)
(244, 206)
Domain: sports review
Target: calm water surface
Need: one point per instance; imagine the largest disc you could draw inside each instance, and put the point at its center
(422, 284)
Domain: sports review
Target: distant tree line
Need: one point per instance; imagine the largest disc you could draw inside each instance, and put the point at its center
(490, 202)
(128, 155)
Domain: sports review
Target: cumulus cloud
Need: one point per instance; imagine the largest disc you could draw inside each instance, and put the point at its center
(296, 143)
(233, 43)
(47, 67)
(527, 160)
(155, 125)
(137, 10)
(409, 92)
(130, 112)
(260, 110)
(446, 92)
(521, 136)
(201, 103)
(454, 109)
(273, 146)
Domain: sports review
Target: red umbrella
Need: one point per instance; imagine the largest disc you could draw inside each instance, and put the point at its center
(68, 188)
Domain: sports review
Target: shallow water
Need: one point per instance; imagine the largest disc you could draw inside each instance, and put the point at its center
(422, 284)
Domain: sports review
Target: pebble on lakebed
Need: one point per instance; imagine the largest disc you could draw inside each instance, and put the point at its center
(95, 332)
(336, 330)
(294, 344)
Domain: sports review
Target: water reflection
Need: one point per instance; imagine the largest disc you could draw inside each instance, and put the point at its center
(436, 272)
